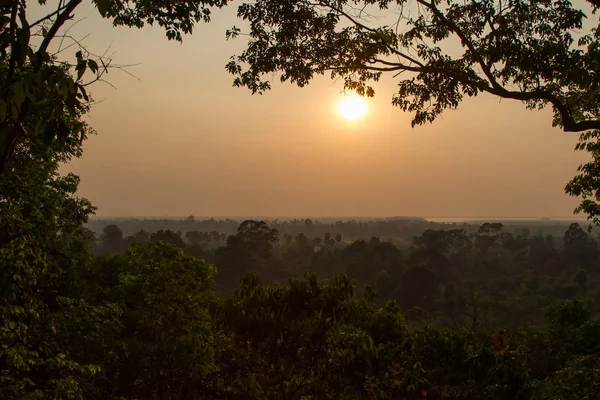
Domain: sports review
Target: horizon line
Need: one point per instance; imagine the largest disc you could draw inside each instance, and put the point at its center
(574, 217)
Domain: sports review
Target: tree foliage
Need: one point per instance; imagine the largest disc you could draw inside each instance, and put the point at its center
(43, 95)
(541, 53)
(141, 319)
(52, 333)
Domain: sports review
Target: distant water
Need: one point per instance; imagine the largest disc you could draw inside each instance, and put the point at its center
(363, 218)
(506, 219)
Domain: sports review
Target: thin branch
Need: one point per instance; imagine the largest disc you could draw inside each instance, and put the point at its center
(464, 39)
(47, 17)
(62, 17)
(369, 29)
(13, 33)
(568, 123)
(75, 43)
(66, 34)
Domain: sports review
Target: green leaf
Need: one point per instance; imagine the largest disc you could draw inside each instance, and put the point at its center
(63, 88)
(38, 127)
(3, 110)
(19, 94)
(23, 42)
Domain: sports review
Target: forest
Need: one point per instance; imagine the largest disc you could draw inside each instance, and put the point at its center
(392, 308)
(463, 275)
(465, 312)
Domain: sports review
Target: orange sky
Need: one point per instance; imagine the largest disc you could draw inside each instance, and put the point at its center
(182, 141)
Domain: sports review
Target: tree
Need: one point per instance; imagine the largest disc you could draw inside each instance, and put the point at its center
(112, 239)
(328, 240)
(258, 236)
(580, 250)
(196, 237)
(487, 236)
(250, 250)
(47, 327)
(39, 90)
(42, 252)
(140, 237)
(574, 235)
(539, 53)
(385, 285)
(418, 286)
(305, 339)
(443, 242)
(353, 257)
(163, 347)
(299, 254)
(168, 236)
(89, 238)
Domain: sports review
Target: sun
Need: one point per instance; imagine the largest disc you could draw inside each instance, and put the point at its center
(352, 107)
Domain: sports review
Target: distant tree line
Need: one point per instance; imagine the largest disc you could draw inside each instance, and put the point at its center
(448, 277)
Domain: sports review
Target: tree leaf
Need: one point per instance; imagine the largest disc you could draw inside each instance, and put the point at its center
(93, 65)
(38, 126)
(103, 6)
(3, 110)
(81, 67)
(19, 94)
(84, 93)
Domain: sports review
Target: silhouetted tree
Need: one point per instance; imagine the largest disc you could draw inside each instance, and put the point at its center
(250, 250)
(112, 240)
(168, 236)
(534, 52)
(580, 251)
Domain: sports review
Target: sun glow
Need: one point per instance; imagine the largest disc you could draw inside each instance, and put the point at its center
(352, 107)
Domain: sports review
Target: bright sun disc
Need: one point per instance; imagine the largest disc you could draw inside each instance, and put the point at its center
(352, 107)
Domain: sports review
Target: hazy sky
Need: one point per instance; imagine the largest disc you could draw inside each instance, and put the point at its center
(182, 141)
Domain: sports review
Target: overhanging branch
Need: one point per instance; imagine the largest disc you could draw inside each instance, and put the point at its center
(568, 123)
(62, 17)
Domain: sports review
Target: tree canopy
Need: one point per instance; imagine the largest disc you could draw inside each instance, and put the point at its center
(43, 95)
(542, 53)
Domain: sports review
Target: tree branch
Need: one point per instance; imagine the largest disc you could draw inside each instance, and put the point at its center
(13, 40)
(595, 3)
(47, 17)
(62, 17)
(369, 29)
(568, 123)
(464, 39)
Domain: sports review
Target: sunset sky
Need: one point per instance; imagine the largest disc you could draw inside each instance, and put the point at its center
(182, 141)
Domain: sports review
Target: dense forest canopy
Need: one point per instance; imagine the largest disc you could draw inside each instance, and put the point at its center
(475, 311)
(392, 228)
(516, 270)
(301, 309)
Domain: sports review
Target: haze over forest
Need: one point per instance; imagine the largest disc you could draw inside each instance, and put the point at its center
(182, 141)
